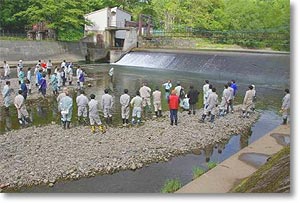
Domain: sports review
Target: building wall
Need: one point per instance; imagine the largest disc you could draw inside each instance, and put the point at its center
(121, 17)
(104, 18)
(99, 19)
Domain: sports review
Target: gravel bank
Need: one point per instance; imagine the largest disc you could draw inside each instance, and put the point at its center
(43, 155)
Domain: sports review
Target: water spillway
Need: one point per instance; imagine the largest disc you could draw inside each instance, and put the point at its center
(271, 68)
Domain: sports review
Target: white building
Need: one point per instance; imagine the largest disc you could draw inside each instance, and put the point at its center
(108, 19)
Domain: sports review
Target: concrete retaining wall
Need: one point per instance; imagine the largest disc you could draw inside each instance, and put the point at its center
(34, 50)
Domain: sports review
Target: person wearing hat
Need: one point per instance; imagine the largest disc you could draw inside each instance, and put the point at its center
(94, 115)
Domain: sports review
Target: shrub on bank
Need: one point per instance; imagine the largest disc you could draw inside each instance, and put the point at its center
(171, 186)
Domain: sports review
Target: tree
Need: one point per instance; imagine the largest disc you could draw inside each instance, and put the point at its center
(63, 16)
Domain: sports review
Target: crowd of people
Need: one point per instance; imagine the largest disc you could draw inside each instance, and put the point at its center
(141, 103)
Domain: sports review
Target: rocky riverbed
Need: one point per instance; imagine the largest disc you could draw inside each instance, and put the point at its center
(44, 155)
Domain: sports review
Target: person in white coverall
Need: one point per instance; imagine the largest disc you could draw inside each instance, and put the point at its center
(248, 101)
(107, 104)
(82, 104)
(125, 108)
(66, 108)
(212, 103)
(19, 102)
(94, 115)
(285, 107)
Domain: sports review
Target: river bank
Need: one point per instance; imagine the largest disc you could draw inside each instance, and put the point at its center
(44, 155)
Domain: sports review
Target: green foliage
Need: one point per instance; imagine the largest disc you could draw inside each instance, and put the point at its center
(197, 172)
(224, 16)
(171, 186)
(211, 165)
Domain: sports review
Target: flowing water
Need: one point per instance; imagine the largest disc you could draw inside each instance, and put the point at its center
(269, 73)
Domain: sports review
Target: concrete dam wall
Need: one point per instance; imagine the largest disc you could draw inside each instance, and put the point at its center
(268, 68)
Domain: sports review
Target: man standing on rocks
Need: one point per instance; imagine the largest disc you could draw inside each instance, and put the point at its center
(173, 106)
(82, 103)
(19, 103)
(205, 92)
(225, 100)
(107, 104)
(193, 99)
(157, 102)
(136, 102)
(212, 103)
(145, 93)
(94, 115)
(6, 93)
(231, 97)
(124, 101)
(248, 101)
(65, 108)
(285, 107)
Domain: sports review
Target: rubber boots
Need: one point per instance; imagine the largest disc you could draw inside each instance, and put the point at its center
(212, 118)
(102, 128)
(93, 129)
(159, 113)
(284, 122)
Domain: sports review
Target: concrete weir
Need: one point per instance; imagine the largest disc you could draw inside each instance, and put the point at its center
(227, 174)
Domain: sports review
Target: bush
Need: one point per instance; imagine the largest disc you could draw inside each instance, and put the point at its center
(211, 165)
(171, 186)
(197, 172)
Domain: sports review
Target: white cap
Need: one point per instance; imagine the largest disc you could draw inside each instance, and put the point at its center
(253, 86)
(20, 61)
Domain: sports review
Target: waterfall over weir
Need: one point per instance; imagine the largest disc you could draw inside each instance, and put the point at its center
(270, 68)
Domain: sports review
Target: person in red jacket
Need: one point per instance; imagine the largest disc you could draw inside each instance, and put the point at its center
(173, 106)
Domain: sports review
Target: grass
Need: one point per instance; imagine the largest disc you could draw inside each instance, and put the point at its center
(211, 165)
(171, 186)
(197, 172)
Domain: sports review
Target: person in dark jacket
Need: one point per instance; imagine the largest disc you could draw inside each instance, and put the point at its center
(193, 95)
(173, 101)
